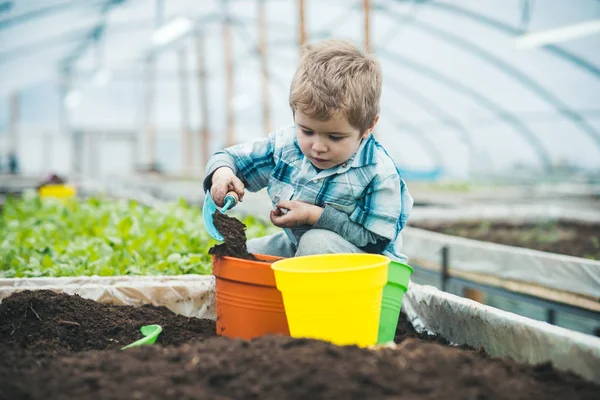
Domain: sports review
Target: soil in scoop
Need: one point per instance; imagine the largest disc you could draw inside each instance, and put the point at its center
(266, 368)
(234, 233)
(574, 239)
(44, 320)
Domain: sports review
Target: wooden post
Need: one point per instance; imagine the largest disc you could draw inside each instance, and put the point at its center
(302, 23)
(367, 13)
(150, 81)
(445, 266)
(186, 135)
(47, 150)
(15, 113)
(262, 49)
(474, 294)
(203, 99)
(230, 134)
(149, 111)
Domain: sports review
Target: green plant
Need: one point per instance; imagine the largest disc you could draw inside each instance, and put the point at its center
(48, 237)
(457, 187)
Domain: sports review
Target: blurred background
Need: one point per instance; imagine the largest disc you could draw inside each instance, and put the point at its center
(473, 90)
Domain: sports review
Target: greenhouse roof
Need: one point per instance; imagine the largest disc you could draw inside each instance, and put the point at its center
(461, 91)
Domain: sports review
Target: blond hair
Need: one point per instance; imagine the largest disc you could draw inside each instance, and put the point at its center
(334, 76)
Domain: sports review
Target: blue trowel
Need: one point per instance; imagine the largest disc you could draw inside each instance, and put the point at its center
(209, 208)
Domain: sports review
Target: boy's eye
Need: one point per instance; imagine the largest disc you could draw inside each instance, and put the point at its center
(336, 138)
(307, 132)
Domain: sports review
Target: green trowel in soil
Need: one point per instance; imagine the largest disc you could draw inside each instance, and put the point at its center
(209, 208)
(150, 333)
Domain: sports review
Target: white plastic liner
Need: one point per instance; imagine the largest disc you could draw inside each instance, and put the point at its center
(519, 212)
(500, 333)
(459, 320)
(189, 295)
(564, 273)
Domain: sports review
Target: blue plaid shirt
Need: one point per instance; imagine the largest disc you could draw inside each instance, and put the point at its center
(367, 187)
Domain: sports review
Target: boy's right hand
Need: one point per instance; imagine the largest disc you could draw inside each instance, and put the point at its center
(223, 182)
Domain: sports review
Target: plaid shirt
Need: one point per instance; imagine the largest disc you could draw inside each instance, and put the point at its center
(367, 187)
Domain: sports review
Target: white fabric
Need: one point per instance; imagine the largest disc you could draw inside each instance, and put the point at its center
(565, 273)
(520, 212)
(500, 333)
(189, 295)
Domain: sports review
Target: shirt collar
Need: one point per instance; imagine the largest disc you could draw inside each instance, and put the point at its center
(365, 155)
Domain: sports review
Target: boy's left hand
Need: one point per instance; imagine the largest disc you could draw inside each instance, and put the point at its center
(298, 214)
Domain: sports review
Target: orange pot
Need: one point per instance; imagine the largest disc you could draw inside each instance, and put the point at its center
(248, 302)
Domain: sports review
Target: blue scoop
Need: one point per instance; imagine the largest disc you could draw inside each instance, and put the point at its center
(209, 208)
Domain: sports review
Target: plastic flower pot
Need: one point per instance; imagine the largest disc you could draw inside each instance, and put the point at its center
(333, 297)
(248, 303)
(58, 191)
(391, 303)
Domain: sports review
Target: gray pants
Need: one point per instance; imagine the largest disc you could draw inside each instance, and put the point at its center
(315, 241)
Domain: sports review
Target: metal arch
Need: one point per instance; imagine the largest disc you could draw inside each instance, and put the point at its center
(58, 40)
(506, 116)
(5, 6)
(132, 27)
(500, 26)
(42, 45)
(421, 137)
(524, 79)
(423, 102)
(337, 21)
(503, 114)
(486, 102)
(39, 13)
(95, 34)
(63, 38)
(432, 109)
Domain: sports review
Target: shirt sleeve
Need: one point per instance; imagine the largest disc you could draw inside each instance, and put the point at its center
(218, 160)
(380, 208)
(339, 222)
(252, 162)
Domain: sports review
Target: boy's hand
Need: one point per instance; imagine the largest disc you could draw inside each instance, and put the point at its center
(224, 181)
(298, 214)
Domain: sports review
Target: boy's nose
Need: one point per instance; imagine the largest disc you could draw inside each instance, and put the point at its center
(319, 146)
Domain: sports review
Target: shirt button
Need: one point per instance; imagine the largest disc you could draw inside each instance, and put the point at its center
(344, 165)
(315, 180)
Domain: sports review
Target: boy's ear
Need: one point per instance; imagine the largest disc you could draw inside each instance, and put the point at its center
(370, 129)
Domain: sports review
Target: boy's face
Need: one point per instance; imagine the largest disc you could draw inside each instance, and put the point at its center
(327, 144)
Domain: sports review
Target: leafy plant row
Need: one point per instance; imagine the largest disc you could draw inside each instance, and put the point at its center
(97, 236)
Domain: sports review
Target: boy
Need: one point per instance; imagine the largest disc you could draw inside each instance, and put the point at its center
(333, 186)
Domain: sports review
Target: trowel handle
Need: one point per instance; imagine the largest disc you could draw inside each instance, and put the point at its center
(231, 200)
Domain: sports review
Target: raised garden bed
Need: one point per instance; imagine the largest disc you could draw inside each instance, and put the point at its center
(61, 346)
(562, 237)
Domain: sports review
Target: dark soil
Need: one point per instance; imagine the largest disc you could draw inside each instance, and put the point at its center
(405, 330)
(570, 238)
(272, 367)
(52, 180)
(234, 233)
(282, 368)
(44, 320)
